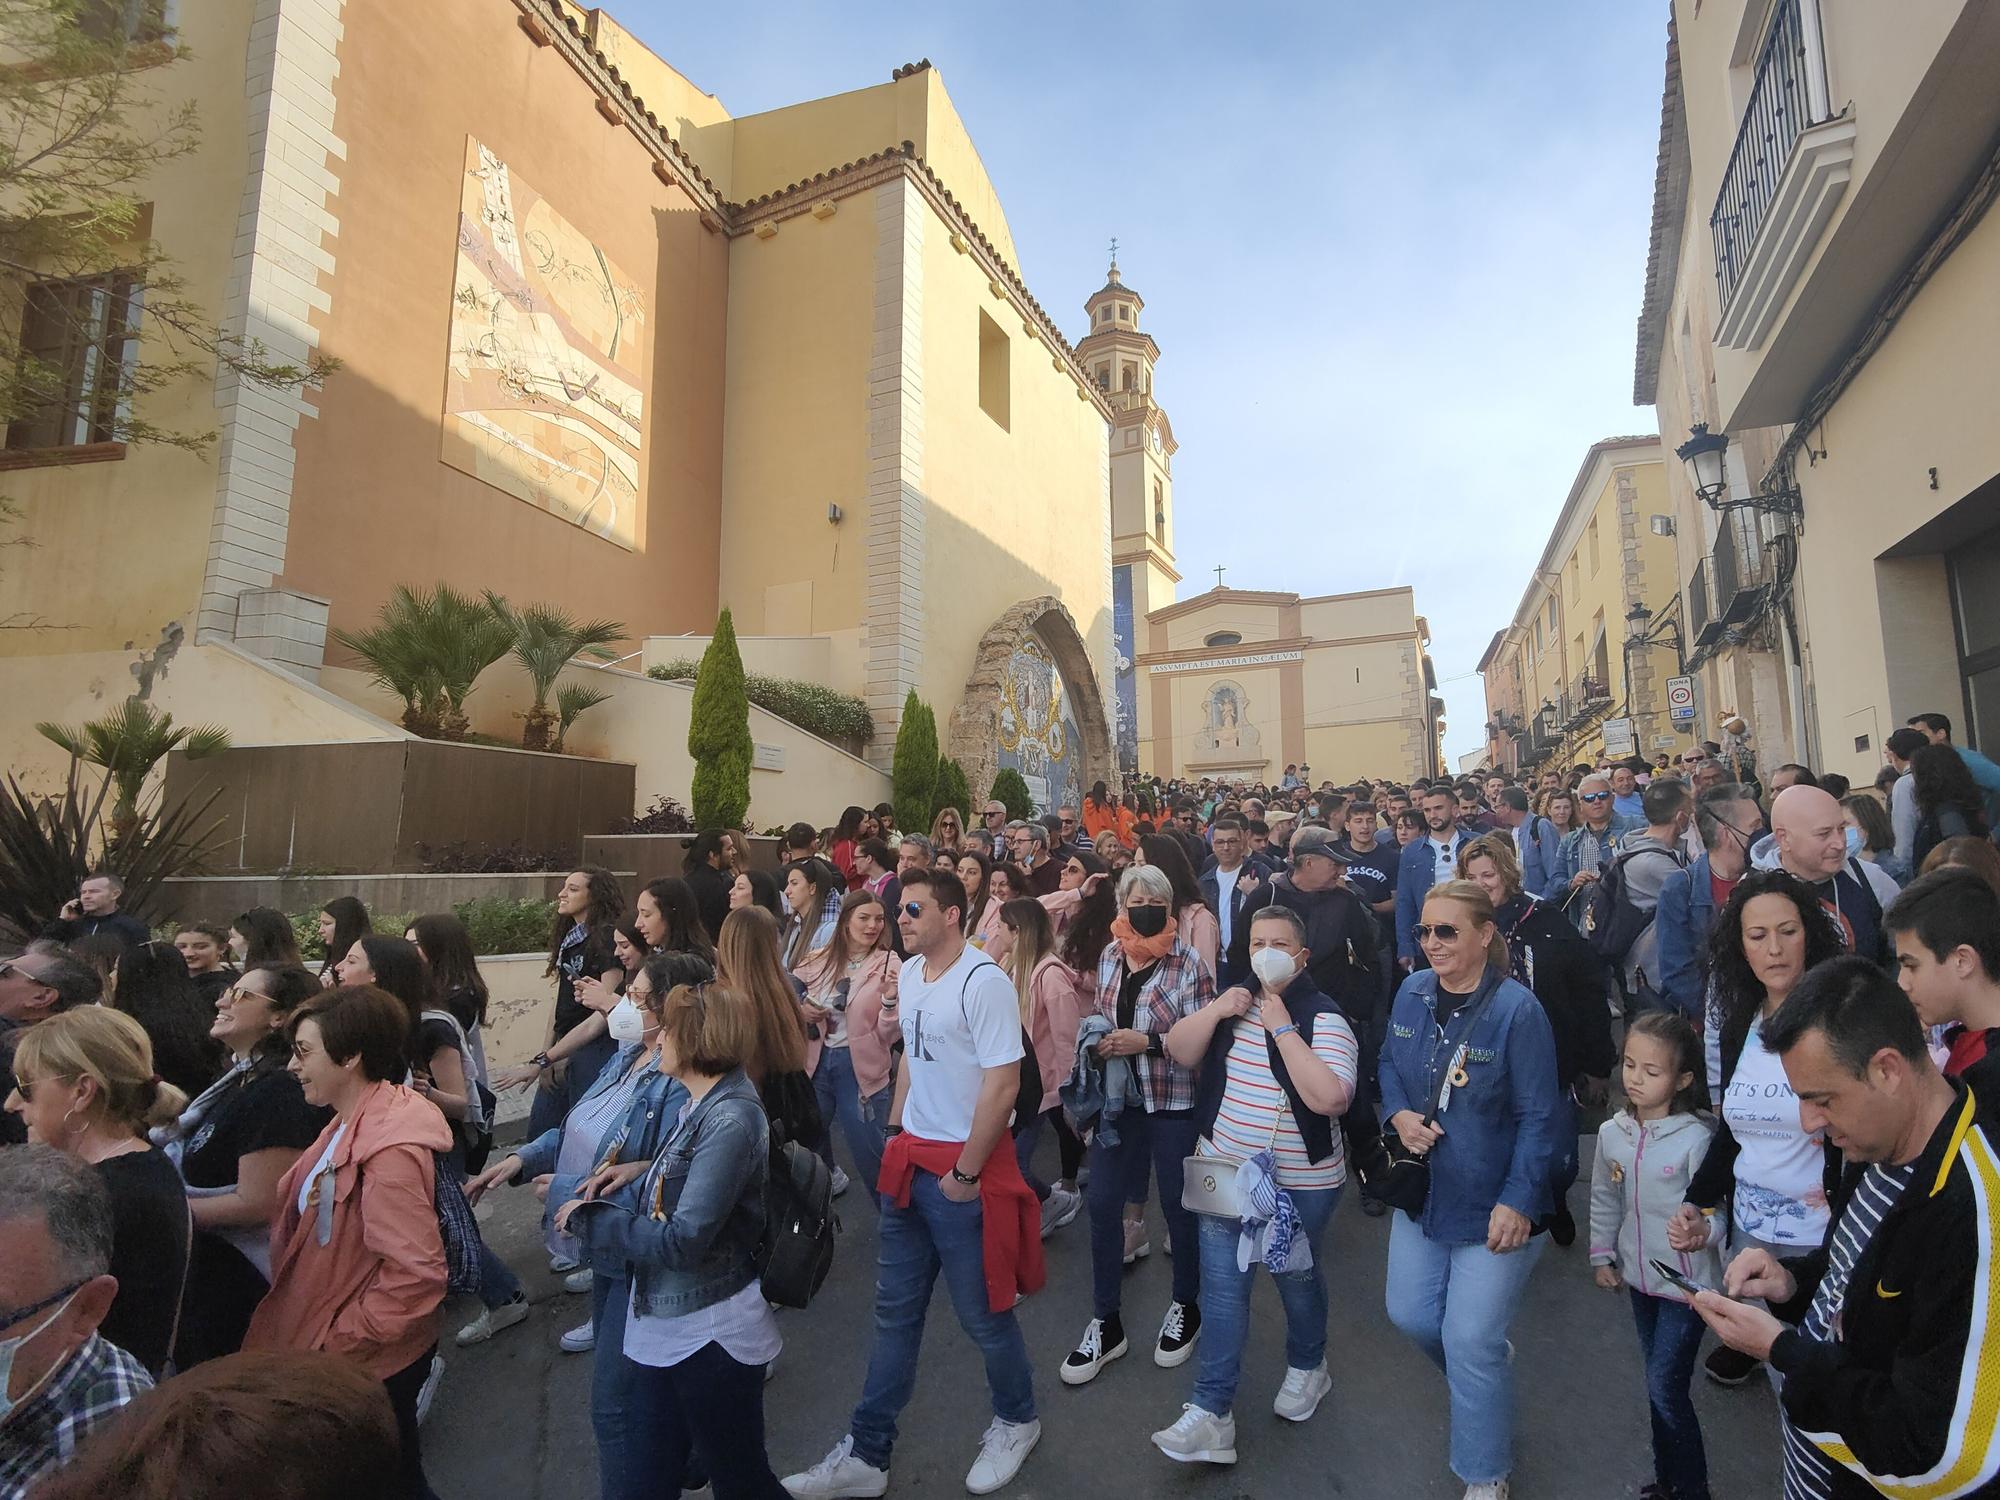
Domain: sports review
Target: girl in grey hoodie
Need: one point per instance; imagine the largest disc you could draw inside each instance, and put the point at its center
(1646, 1155)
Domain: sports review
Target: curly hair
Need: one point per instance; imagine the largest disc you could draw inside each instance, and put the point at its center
(1737, 992)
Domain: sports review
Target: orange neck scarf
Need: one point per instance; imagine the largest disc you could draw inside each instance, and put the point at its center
(1143, 952)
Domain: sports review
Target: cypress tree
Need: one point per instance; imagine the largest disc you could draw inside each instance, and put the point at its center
(719, 734)
(953, 790)
(1012, 793)
(913, 772)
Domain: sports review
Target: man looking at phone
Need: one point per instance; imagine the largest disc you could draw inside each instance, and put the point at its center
(1882, 1375)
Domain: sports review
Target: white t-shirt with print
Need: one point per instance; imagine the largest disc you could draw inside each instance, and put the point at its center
(1780, 1193)
(956, 1026)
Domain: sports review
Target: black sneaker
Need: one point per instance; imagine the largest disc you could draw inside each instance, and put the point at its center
(1103, 1341)
(1562, 1228)
(1727, 1366)
(1373, 1207)
(1178, 1331)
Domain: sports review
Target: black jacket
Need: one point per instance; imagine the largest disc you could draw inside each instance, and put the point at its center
(127, 928)
(711, 896)
(1715, 1179)
(1346, 961)
(1920, 1332)
(1305, 1005)
(1572, 983)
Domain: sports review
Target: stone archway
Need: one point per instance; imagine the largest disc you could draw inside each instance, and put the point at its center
(1001, 718)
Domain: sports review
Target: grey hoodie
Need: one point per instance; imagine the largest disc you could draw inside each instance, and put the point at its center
(1637, 1183)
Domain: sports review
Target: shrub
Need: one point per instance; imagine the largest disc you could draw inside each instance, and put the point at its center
(662, 815)
(812, 706)
(719, 733)
(486, 859)
(1012, 792)
(497, 924)
(913, 772)
(952, 790)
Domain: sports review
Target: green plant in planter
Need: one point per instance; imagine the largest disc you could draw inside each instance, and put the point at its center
(429, 649)
(128, 742)
(572, 699)
(719, 733)
(544, 639)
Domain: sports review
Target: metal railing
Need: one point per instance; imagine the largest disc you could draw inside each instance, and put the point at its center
(1780, 109)
(1740, 568)
(1699, 610)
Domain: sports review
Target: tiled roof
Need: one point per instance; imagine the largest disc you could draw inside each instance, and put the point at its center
(1663, 251)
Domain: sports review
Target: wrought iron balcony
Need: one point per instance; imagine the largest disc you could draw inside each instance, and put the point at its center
(1700, 614)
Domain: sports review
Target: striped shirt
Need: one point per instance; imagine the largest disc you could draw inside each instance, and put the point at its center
(1808, 1471)
(1252, 1100)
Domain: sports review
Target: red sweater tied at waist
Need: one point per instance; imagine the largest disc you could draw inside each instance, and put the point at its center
(1011, 1218)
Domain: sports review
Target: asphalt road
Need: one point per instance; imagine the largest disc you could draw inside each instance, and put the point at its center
(511, 1418)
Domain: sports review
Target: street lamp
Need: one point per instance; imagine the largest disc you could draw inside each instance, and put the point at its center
(1704, 454)
(1640, 634)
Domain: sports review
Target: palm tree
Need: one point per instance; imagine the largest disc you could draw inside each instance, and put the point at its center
(428, 649)
(394, 651)
(128, 742)
(545, 640)
(469, 637)
(571, 700)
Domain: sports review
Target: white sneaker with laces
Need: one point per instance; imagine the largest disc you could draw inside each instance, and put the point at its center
(1494, 1491)
(579, 1340)
(427, 1392)
(840, 1181)
(492, 1320)
(580, 1281)
(1299, 1397)
(839, 1476)
(1199, 1437)
(1091, 1355)
(1062, 1206)
(1002, 1451)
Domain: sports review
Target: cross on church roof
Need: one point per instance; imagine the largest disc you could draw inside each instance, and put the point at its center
(1218, 575)
(1114, 250)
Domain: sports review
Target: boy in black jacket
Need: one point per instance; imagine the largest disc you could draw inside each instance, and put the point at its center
(1883, 1385)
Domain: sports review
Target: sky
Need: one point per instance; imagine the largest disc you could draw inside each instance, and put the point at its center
(1392, 253)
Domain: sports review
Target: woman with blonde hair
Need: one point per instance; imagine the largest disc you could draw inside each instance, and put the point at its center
(748, 963)
(850, 1002)
(948, 830)
(1047, 990)
(84, 1082)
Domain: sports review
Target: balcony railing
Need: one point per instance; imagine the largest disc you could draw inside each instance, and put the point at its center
(1699, 611)
(1781, 107)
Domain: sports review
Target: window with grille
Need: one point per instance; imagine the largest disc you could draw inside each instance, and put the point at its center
(79, 338)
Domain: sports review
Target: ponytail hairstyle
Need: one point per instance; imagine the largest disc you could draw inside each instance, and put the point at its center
(1479, 907)
(110, 1049)
(1676, 1033)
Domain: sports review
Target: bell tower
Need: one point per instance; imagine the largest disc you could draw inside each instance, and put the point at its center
(1120, 357)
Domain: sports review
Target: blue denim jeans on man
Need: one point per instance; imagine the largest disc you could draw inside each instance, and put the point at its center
(1158, 1143)
(1225, 1301)
(1455, 1303)
(838, 1093)
(933, 1234)
(1670, 1338)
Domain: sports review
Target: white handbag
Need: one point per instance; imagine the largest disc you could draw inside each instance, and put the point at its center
(1208, 1181)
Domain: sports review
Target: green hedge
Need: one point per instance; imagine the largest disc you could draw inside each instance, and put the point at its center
(812, 706)
(497, 924)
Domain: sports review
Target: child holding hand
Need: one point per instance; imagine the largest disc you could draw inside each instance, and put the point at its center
(1646, 1154)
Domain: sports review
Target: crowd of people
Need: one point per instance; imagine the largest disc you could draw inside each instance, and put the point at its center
(237, 1190)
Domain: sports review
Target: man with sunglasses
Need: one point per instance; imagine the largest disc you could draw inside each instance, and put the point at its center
(1592, 843)
(33, 987)
(60, 1380)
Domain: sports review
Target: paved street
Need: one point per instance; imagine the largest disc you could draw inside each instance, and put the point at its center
(512, 1421)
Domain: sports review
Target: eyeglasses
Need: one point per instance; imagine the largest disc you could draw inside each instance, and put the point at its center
(913, 908)
(1069, 822)
(26, 1087)
(22, 1314)
(1444, 932)
(1594, 796)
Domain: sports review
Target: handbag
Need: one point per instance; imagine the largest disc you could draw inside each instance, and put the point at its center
(1208, 1182)
(1399, 1176)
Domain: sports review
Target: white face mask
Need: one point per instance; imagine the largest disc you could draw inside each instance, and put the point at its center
(626, 1022)
(11, 1347)
(1272, 965)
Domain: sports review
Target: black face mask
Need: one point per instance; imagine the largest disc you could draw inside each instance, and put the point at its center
(1147, 921)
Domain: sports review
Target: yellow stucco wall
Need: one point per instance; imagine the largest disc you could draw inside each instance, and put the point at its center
(144, 519)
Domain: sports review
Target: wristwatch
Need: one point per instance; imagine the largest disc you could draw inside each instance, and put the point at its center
(958, 1176)
(540, 1060)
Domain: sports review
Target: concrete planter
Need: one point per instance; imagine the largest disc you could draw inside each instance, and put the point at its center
(218, 898)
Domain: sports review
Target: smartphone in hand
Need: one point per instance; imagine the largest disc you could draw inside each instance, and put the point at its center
(1682, 1280)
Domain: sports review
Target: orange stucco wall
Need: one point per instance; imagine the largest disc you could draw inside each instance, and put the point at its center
(373, 504)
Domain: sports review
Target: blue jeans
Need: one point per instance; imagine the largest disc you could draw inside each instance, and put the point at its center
(611, 1408)
(1455, 1303)
(553, 1099)
(1024, 1153)
(860, 1120)
(1156, 1142)
(1225, 1302)
(1563, 1168)
(498, 1285)
(1670, 1338)
(709, 1407)
(933, 1234)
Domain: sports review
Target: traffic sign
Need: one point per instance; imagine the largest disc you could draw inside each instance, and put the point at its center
(1680, 699)
(1618, 737)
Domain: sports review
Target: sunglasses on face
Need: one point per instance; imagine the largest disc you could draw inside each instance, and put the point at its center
(1444, 932)
(913, 908)
(1595, 796)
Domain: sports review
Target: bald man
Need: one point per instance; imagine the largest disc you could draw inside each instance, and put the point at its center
(1810, 837)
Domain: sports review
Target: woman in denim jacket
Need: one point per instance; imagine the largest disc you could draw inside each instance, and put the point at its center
(697, 1332)
(1457, 1270)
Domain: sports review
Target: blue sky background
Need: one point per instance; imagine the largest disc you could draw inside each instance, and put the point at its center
(1392, 254)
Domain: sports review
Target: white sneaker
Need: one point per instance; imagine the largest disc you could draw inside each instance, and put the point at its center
(1062, 1206)
(492, 1320)
(1137, 1245)
(427, 1392)
(580, 1281)
(840, 1181)
(1495, 1491)
(579, 1340)
(1299, 1397)
(562, 1265)
(1002, 1450)
(838, 1476)
(1199, 1437)
(1090, 1355)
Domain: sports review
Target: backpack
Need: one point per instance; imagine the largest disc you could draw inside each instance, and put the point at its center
(796, 1250)
(1028, 1094)
(1613, 920)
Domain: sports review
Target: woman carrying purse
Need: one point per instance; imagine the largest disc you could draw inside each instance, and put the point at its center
(1277, 1071)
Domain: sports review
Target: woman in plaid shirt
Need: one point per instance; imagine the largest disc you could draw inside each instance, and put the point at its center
(1147, 979)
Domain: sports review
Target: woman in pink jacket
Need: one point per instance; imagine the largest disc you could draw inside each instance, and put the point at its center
(357, 1263)
(850, 1012)
(1049, 1015)
(1194, 922)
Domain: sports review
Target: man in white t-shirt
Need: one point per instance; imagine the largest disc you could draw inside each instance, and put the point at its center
(961, 1073)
